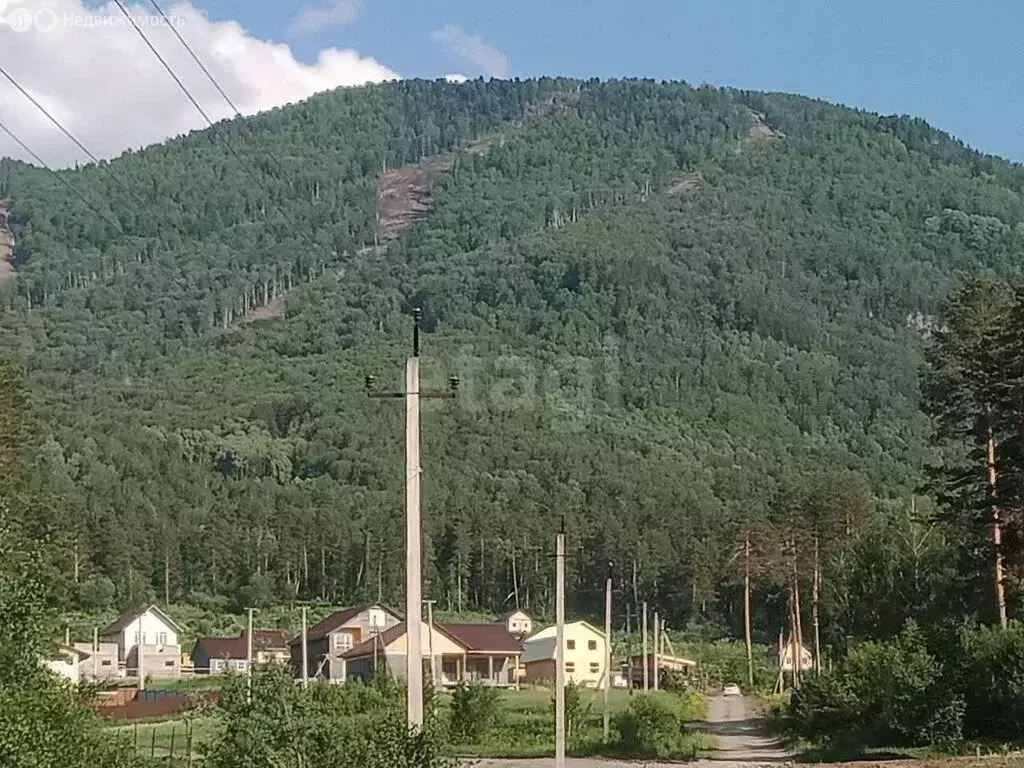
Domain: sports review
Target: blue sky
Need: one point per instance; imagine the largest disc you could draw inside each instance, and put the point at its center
(956, 63)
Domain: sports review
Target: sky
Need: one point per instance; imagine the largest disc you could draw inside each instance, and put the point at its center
(956, 63)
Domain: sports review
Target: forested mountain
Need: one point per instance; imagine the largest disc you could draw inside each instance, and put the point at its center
(692, 321)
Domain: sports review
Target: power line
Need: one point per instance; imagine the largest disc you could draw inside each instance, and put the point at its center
(209, 75)
(181, 85)
(195, 58)
(106, 169)
(61, 179)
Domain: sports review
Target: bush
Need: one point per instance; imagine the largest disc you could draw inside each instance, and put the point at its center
(575, 711)
(884, 694)
(652, 728)
(323, 727)
(986, 668)
(474, 712)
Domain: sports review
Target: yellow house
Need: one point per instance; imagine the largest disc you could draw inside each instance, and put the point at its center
(584, 655)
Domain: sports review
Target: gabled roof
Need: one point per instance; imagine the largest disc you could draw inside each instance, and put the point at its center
(121, 622)
(237, 647)
(486, 638)
(388, 636)
(549, 632)
(337, 620)
(63, 651)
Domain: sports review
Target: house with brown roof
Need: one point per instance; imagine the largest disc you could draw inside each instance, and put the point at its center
(492, 652)
(152, 630)
(328, 641)
(455, 652)
(220, 654)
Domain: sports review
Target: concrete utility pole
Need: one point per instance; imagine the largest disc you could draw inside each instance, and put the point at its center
(560, 649)
(139, 642)
(305, 650)
(413, 549)
(657, 636)
(607, 653)
(430, 640)
(248, 660)
(647, 663)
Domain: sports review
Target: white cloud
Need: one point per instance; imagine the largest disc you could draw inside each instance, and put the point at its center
(94, 73)
(336, 13)
(456, 78)
(487, 59)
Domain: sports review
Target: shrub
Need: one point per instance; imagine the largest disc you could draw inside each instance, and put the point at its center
(652, 727)
(575, 711)
(474, 712)
(884, 694)
(287, 726)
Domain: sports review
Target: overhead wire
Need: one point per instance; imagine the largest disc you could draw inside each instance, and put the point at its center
(196, 104)
(61, 179)
(105, 168)
(209, 75)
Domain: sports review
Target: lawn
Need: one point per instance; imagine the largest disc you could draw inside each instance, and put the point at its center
(525, 728)
(169, 738)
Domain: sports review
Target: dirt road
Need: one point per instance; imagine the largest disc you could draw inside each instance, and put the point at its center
(740, 735)
(741, 741)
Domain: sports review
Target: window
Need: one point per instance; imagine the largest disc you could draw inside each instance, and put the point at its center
(594, 667)
(570, 667)
(591, 645)
(105, 663)
(161, 638)
(215, 665)
(342, 641)
(570, 644)
(169, 663)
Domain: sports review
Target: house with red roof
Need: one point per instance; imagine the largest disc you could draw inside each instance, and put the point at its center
(328, 641)
(220, 654)
(455, 653)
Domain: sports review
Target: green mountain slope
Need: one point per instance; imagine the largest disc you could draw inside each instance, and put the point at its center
(665, 304)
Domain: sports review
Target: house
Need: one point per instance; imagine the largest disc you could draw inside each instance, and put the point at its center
(102, 661)
(64, 662)
(519, 624)
(671, 665)
(157, 635)
(584, 655)
(390, 647)
(219, 654)
(335, 636)
(492, 652)
(785, 655)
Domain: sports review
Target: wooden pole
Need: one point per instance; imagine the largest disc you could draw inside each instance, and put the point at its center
(95, 653)
(647, 663)
(747, 627)
(305, 649)
(139, 657)
(174, 729)
(607, 654)
(152, 744)
(560, 650)
(248, 661)
(430, 640)
(413, 585)
(188, 744)
(657, 637)
(629, 647)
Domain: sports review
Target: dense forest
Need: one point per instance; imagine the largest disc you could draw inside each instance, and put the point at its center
(708, 328)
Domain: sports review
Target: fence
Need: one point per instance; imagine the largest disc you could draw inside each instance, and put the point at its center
(171, 743)
(127, 704)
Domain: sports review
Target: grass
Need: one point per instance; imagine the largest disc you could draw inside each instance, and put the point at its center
(525, 729)
(169, 738)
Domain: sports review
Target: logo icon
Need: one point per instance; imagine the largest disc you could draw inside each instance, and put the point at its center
(22, 19)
